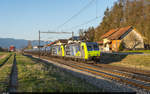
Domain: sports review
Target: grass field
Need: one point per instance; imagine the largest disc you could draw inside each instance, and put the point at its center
(141, 51)
(4, 58)
(5, 71)
(3, 53)
(37, 77)
(134, 61)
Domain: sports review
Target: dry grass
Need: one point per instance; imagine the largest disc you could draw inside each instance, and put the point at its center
(5, 71)
(37, 77)
(141, 51)
(4, 57)
(135, 61)
(3, 53)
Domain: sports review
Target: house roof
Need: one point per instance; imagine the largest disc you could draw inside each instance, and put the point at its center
(75, 38)
(116, 34)
(100, 42)
(51, 43)
(62, 40)
(109, 33)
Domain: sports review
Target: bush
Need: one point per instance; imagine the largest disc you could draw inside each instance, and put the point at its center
(3, 49)
(121, 47)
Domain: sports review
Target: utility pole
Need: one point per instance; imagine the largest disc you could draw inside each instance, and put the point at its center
(39, 44)
(72, 35)
(52, 33)
(56, 33)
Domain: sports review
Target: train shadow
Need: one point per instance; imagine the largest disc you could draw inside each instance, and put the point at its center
(107, 58)
(27, 55)
(33, 58)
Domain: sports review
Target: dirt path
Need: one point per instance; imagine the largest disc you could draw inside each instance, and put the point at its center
(13, 77)
(3, 56)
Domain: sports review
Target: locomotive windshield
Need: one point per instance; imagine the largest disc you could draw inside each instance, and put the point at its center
(96, 47)
(92, 46)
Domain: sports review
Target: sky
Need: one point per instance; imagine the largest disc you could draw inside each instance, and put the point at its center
(22, 19)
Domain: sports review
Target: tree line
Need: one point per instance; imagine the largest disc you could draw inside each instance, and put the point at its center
(3, 49)
(124, 13)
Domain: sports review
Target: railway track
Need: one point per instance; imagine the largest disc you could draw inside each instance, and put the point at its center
(119, 73)
(125, 69)
(13, 76)
(137, 81)
(5, 60)
(8, 72)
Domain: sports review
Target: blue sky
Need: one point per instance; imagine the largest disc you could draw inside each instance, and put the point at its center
(21, 19)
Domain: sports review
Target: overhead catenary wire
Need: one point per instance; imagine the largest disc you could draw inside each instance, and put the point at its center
(52, 32)
(96, 2)
(75, 15)
(87, 22)
(72, 17)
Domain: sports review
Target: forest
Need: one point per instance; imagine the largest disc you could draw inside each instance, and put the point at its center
(135, 13)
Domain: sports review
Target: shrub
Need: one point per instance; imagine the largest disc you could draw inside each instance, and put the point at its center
(121, 47)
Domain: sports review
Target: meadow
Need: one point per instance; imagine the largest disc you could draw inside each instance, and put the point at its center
(38, 77)
(141, 62)
(3, 57)
(5, 72)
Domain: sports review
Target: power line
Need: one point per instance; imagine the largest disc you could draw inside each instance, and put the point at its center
(96, 2)
(57, 32)
(85, 7)
(89, 21)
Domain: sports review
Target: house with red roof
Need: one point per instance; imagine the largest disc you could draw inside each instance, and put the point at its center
(127, 37)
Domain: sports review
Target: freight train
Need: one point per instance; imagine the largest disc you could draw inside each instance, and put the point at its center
(78, 51)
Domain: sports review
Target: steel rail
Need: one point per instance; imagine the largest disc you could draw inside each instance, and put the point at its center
(125, 69)
(116, 73)
(107, 76)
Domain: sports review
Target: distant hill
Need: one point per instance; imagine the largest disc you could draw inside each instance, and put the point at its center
(18, 43)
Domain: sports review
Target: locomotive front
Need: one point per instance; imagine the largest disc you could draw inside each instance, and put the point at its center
(93, 51)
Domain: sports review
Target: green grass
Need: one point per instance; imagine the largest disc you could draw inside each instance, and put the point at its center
(138, 61)
(3, 59)
(142, 51)
(5, 71)
(2, 53)
(37, 77)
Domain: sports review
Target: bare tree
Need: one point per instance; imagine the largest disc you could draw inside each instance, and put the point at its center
(132, 41)
(82, 34)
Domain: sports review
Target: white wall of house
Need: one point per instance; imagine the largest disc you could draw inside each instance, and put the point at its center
(35, 47)
(133, 40)
(105, 47)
